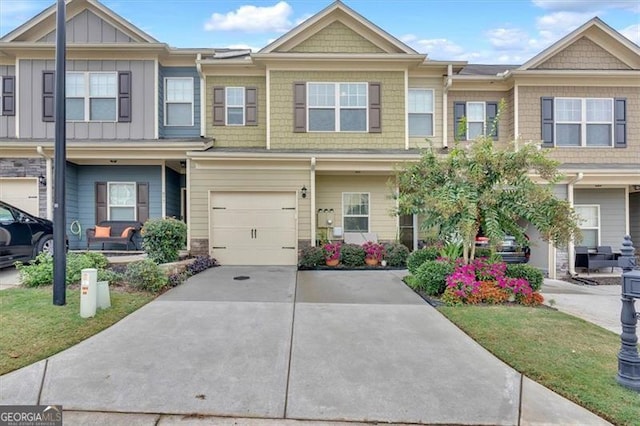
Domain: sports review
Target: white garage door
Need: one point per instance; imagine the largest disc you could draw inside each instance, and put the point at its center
(253, 228)
(21, 193)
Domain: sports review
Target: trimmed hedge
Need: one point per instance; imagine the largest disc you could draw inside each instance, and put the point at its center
(418, 257)
(431, 276)
(352, 255)
(396, 254)
(528, 272)
(310, 257)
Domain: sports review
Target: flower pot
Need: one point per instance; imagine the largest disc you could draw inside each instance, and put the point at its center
(371, 262)
(332, 262)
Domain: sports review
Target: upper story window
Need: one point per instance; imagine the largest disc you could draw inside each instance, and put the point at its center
(91, 96)
(420, 112)
(584, 121)
(178, 101)
(475, 118)
(337, 107)
(7, 95)
(235, 106)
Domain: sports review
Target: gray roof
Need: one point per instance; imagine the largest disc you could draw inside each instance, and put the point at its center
(481, 69)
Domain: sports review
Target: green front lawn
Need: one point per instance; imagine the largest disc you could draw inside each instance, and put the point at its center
(566, 354)
(32, 328)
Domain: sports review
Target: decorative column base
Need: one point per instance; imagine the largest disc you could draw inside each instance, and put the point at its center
(629, 371)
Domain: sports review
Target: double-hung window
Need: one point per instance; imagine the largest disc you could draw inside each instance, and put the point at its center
(475, 118)
(121, 201)
(91, 96)
(355, 212)
(178, 101)
(337, 107)
(235, 106)
(584, 121)
(420, 110)
(589, 224)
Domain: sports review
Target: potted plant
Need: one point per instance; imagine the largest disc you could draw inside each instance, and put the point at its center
(332, 253)
(374, 253)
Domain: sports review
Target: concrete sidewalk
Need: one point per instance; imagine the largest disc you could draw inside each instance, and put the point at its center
(281, 346)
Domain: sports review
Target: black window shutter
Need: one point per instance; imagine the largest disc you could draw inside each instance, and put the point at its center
(124, 97)
(48, 90)
(299, 107)
(546, 119)
(8, 95)
(620, 122)
(218, 106)
(101, 202)
(492, 124)
(251, 106)
(459, 112)
(142, 201)
(375, 108)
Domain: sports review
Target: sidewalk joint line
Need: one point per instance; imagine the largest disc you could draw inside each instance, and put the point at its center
(520, 399)
(293, 318)
(44, 374)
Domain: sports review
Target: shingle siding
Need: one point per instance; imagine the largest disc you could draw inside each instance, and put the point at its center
(336, 38)
(583, 54)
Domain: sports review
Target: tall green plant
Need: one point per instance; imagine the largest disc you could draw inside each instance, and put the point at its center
(483, 185)
(162, 239)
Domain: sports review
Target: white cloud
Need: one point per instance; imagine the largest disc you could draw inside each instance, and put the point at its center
(253, 19)
(508, 38)
(440, 47)
(556, 25)
(632, 32)
(587, 5)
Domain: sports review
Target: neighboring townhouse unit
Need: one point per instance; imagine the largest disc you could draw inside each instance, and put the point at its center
(265, 153)
(133, 111)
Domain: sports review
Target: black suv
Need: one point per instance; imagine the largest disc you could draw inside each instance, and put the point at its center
(22, 236)
(509, 249)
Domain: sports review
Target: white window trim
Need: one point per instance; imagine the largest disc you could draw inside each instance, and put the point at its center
(583, 122)
(433, 111)
(135, 188)
(87, 97)
(337, 107)
(368, 216)
(598, 227)
(484, 117)
(243, 106)
(166, 102)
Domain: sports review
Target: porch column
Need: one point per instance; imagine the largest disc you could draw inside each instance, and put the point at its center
(312, 186)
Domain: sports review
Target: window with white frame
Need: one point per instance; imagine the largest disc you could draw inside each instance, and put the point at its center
(584, 121)
(91, 96)
(589, 224)
(121, 200)
(355, 212)
(178, 101)
(420, 110)
(337, 107)
(235, 106)
(476, 119)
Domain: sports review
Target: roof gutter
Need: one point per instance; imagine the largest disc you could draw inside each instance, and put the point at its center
(448, 81)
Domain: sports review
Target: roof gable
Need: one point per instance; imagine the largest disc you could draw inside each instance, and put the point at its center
(595, 44)
(332, 22)
(336, 38)
(88, 21)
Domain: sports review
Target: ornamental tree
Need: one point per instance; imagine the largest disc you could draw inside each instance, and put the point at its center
(483, 186)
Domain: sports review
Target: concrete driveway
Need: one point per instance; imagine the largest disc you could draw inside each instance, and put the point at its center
(9, 278)
(274, 344)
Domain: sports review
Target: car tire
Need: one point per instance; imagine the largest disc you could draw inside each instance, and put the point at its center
(45, 245)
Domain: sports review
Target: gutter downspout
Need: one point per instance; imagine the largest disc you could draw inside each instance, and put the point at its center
(571, 248)
(203, 106)
(447, 84)
(49, 174)
(312, 186)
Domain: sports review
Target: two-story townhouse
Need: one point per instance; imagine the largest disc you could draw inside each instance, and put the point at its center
(132, 109)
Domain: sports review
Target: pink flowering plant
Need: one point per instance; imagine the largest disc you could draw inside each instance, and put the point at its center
(332, 251)
(373, 250)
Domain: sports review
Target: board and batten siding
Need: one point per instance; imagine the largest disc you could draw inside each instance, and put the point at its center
(7, 122)
(204, 180)
(612, 212)
(87, 27)
(142, 125)
(634, 219)
(329, 189)
(179, 131)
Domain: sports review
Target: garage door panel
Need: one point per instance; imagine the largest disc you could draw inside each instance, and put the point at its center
(21, 193)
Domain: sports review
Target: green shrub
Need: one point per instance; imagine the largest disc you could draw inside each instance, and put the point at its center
(396, 254)
(146, 275)
(451, 251)
(418, 257)
(40, 271)
(528, 272)
(431, 276)
(310, 257)
(162, 239)
(483, 252)
(352, 255)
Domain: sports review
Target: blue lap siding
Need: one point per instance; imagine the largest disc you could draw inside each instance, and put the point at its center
(177, 132)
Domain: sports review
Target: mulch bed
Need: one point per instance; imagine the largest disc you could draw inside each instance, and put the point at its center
(587, 280)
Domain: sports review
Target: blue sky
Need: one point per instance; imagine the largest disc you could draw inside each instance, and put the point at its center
(479, 31)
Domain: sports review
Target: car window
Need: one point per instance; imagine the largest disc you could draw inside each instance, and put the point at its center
(5, 215)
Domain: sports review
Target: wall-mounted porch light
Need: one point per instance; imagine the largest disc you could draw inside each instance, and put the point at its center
(42, 180)
(303, 191)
